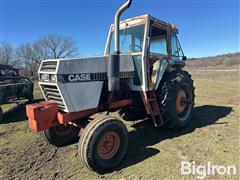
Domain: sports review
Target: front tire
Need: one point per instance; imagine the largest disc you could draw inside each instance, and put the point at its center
(61, 135)
(103, 144)
(176, 99)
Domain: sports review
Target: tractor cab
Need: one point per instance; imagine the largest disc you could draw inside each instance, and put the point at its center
(152, 44)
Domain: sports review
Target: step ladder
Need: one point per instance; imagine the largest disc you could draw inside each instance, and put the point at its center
(152, 107)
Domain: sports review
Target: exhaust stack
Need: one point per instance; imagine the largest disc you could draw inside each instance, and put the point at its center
(113, 64)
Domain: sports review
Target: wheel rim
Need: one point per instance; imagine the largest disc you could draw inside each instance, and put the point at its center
(184, 102)
(108, 145)
(62, 130)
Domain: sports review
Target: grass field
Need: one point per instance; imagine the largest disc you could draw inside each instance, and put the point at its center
(213, 135)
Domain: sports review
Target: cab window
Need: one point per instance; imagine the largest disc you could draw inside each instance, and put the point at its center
(158, 41)
(130, 38)
(176, 48)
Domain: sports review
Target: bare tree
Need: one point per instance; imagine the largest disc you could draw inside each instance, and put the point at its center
(49, 47)
(57, 46)
(7, 56)
(30, 61)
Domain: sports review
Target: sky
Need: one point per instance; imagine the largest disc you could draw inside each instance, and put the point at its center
(206, 27)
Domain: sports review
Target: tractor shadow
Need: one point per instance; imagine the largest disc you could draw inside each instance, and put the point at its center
(146, 135)
(16, 113)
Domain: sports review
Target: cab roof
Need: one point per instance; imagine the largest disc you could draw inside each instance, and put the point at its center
(142, 19)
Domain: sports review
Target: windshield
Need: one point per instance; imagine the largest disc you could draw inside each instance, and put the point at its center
(130, 39)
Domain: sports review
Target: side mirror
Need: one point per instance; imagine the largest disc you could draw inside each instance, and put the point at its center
(184, 58)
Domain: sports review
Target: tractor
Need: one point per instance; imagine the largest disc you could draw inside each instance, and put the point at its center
(13, 87)
(141, 73)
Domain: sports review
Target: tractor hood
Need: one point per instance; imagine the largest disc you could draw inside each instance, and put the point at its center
(84, 65)
(76, 84)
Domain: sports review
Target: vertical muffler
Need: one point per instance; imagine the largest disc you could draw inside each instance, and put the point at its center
(113, 63)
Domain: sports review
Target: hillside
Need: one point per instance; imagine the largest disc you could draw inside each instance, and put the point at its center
(231, 60)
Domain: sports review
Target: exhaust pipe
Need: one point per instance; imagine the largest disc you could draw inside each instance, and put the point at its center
(113, 64)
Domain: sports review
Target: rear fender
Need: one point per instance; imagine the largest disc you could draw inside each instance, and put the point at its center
(167, 64)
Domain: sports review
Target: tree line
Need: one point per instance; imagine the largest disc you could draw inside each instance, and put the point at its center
(224, 60)
(28, 56)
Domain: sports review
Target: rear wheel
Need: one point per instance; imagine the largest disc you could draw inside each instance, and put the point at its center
(103, 144)
(176, 99)
(61, 135)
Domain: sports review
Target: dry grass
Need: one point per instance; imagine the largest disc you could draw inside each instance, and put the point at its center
(212, 136)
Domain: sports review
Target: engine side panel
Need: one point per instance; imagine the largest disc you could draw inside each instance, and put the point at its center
(81, 96)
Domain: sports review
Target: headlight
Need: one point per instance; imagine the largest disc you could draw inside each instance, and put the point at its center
(53, 77)
(48, 77)
(44, 77)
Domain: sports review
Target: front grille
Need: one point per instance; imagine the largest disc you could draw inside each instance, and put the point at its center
(52, 93)
(103, 76)
(98, 76)
(49, 66)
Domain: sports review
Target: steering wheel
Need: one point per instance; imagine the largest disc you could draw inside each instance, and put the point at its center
(133, 46)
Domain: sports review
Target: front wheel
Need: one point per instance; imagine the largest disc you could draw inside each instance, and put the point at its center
(176, 99)
(61, 135)
(103, 144)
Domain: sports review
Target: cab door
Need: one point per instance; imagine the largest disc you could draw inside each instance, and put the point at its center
(158, 50)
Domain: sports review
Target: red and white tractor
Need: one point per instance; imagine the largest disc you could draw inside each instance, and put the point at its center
(140, 73)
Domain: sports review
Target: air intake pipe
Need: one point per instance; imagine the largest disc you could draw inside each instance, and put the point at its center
(114, 64)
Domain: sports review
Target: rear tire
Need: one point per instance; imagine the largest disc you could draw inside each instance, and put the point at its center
(61, 135)
(103, 144)
(176, 99)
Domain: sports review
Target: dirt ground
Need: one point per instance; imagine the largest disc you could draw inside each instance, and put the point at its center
(213, 135)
